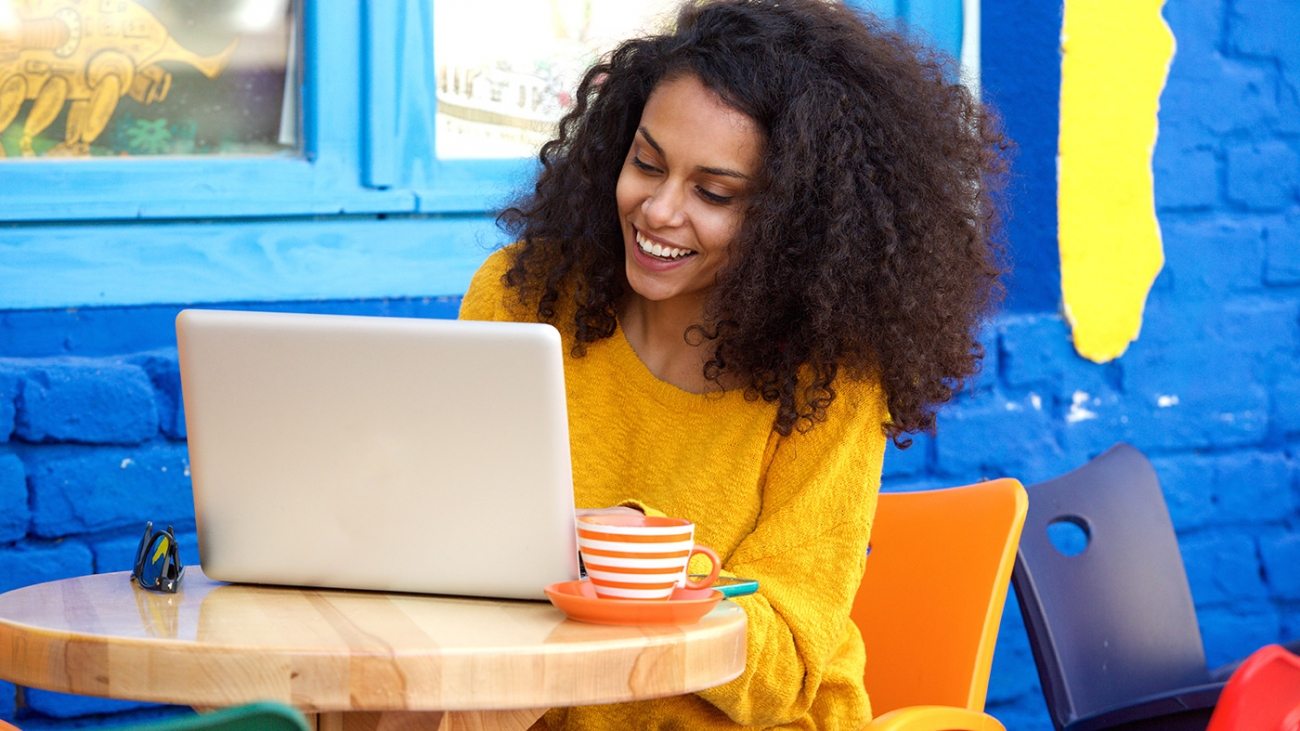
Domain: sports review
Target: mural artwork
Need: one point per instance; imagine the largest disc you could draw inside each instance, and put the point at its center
(112, 77)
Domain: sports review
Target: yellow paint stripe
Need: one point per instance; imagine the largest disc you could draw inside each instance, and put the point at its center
(1114, 62)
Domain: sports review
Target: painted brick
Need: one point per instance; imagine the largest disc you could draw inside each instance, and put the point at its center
(1231, 634)
(1240, 488)
(1266, 329)
(997, 437)
(1188, 178)
(1037, 352)
(96, 331)
(1223, 568)
(917, 483)
(8, 700)
(1288, 102)
(1266, 30)
(87, 401)
(9, 385)
(1094, 420)
(1021, 75)
(1237, 329)
(1172, 323)
(86, 331)
(1205, 259)
(1290, 625)
(1193, 398)
(80, 489)
(25, 565)
(1286, 405)
(118, 554)
(14, 514)
(1029, 714)
(1263, 175)
(1034, 349)
(987, 377)
(1198, 27)
(1215, 97)
(164, 372)
(66, 706)
(910, 461)
(1013, 675)
(1282, 251)
(1281, 555)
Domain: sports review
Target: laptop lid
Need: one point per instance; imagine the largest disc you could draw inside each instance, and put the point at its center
(393, 454)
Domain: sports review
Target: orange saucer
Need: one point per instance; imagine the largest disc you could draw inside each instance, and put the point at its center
(578, 600)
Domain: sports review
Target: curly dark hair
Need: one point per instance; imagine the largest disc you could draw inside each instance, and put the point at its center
(868, 245)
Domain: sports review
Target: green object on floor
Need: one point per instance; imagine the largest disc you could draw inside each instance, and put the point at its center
(262, 716)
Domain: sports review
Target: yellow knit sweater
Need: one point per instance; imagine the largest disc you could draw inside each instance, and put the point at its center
(793, 512)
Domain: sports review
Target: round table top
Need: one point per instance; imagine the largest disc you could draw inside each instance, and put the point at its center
(217, 644)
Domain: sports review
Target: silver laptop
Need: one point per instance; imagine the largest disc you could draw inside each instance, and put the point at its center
(393, 454)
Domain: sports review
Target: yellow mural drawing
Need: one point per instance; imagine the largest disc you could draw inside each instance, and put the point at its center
(88, 55)
(1114, 61)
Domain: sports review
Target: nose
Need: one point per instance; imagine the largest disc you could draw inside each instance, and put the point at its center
(663, 207)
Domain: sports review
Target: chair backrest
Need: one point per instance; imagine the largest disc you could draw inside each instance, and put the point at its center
(931, 598)
(1263, 694)
(1115, 621)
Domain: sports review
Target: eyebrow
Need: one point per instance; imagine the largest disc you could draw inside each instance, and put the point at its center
(725, 172)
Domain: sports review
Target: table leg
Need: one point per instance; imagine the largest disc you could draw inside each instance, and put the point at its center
(511, 720)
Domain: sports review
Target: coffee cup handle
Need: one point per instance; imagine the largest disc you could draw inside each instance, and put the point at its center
(707, 581)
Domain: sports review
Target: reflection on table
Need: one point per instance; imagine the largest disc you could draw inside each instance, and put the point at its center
(357, 659)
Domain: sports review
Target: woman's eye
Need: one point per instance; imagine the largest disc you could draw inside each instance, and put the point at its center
(714, 197)
(643, 165)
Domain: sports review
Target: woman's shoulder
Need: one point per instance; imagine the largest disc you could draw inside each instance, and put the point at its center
(488, 296)
(859, 401)
(853, 420)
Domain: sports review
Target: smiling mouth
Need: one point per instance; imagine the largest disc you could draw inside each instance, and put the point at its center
(659, 251)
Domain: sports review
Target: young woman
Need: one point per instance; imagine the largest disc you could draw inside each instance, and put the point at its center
(766, 239)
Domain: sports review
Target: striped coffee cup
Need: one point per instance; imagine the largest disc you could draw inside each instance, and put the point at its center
(639, 556)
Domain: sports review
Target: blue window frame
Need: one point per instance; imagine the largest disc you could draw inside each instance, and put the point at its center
(365, 210)
(323, 179)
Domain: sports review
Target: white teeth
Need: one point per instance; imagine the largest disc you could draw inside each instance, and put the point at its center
(655, 249)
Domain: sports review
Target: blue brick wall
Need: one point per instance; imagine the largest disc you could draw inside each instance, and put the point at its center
(92, 433)
(1211, 390)
(92, 428)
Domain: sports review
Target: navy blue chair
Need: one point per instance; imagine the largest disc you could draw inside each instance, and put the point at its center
(1110, 619)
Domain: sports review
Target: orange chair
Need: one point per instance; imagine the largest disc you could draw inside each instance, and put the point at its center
(930, 603)
(1263, 694)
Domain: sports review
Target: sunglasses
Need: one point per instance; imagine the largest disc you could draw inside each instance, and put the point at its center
(158, 561)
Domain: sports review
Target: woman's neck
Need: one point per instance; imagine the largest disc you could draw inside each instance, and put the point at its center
(657, 333)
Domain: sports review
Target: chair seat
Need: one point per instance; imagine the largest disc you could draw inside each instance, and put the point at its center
(1177, 710)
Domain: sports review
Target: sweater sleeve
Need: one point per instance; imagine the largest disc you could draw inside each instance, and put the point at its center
(808, 551)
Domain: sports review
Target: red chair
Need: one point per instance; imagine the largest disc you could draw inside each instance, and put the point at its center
(1263, 694)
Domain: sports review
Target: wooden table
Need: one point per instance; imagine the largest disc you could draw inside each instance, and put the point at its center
(354, 660)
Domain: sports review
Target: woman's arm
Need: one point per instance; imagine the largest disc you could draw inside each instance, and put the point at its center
(808, 551)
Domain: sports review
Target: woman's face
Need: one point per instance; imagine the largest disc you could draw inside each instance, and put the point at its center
(682, 189)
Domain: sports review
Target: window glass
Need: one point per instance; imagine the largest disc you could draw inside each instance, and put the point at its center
(504, 86)
(130, 78)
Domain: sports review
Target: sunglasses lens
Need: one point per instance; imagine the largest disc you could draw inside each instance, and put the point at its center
(159, 565)
(143, 547)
